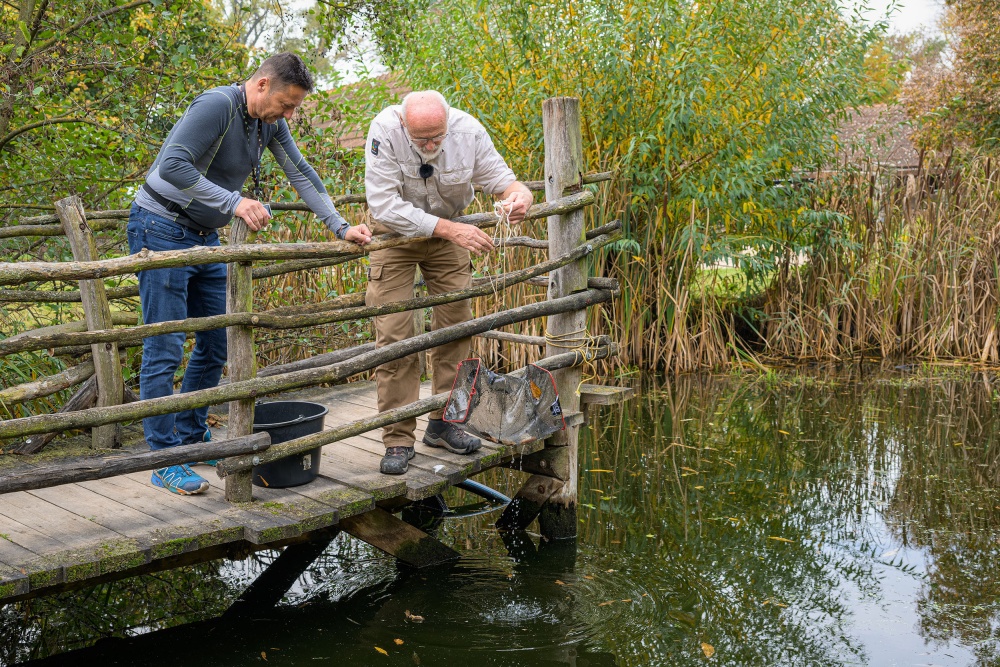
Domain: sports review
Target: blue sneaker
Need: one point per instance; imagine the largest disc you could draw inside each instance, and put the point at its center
(179, 479)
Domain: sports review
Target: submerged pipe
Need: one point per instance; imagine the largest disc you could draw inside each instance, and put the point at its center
(483, 491)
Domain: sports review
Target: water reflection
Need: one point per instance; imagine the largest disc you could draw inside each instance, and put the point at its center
(785, 521)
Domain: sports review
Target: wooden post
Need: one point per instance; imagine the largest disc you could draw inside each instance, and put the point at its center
(563, 169)
(242, 358)
(110, 385)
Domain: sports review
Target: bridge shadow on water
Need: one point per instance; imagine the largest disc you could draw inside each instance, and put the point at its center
(469, 610)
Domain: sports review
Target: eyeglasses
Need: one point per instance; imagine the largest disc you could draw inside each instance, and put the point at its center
(429, 140)
(423, 141)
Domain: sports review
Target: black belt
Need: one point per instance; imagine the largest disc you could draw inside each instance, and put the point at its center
(173, 207)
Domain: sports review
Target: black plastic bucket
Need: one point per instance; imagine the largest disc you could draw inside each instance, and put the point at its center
(284, 421)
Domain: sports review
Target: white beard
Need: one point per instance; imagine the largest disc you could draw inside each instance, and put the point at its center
(429, 155)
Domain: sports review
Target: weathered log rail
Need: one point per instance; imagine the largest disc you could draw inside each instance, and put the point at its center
(47, 225)
(564, 274)
(15, 273)
(269, 320)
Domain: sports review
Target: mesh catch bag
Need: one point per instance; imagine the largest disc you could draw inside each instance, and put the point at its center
(503, 408)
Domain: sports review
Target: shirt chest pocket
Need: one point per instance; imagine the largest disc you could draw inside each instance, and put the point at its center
(456, 184)
(414, 185)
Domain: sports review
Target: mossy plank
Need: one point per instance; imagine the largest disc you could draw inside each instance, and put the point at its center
(13, 582)
(348, 501)
(175, 540)
(599, 394)
(364, 477)
(398, 538)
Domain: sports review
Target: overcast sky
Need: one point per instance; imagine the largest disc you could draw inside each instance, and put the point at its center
(909, 15)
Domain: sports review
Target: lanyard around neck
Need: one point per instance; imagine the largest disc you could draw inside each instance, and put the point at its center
(258, 192)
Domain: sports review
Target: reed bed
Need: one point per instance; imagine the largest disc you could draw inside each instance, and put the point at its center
(912, 271)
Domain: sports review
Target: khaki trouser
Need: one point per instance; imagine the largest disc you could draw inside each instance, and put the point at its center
(445, 267)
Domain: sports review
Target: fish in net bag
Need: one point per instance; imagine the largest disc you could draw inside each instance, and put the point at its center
(504, 408)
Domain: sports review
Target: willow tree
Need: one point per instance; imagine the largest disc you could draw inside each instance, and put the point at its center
(89, 88)
(702, 109)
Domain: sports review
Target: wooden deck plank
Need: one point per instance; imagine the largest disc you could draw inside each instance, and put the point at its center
(346, 500)
(102, 510)
(11, 552)
(111, 505)
(70, 534)
(434, 466)
(137, 495)
(419, 484)
(359, 476)
(65, 527)
(28, 537)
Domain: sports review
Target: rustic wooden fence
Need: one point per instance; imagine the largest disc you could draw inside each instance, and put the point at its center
(102, 402)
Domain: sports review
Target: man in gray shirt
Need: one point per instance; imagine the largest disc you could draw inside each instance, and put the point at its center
(422, 159)
(192, 190)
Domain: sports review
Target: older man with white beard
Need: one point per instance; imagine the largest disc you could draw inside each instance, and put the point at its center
(422, 159)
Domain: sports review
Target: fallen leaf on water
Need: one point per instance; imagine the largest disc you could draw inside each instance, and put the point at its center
(413, 618)
(650, 535)
(609, 571)
(587, 576)
(627, 600)
(561, 583)
(780, 539)
(707, 649)
(599, 470)
(381, 650)
(416, 658)
(263, 654)
(782, 433)
(690, 470)
(399, 642)
(605, 604)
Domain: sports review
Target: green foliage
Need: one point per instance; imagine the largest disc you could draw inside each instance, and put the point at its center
(89, 89)
(699, 109)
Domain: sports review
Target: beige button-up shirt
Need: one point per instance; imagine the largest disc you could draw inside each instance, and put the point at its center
(406, 203)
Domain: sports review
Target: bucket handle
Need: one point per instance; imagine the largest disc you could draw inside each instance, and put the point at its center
(297, 420)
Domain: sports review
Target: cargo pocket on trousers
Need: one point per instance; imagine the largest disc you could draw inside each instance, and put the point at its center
(373, 288)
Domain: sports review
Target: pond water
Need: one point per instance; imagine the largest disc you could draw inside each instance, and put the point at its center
(789, 520)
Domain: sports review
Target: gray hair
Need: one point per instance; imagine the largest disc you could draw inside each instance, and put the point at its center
(435, 95)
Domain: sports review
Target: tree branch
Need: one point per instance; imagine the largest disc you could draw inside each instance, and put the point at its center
(90, 19)
(42, 123)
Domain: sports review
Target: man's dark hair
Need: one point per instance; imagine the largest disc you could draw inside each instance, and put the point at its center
(287, 69)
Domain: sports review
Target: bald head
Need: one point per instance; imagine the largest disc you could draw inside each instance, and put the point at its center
(425, 113)
(425, 118)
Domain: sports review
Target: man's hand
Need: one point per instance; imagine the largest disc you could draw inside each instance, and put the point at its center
(359, 234)
(253, 213)
(517, 204)
(470, 237)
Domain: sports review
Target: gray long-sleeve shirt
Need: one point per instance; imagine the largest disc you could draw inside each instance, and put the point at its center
(405, 202)
(210, 152)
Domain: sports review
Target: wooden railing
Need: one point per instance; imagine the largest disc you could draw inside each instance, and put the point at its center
(108, 404)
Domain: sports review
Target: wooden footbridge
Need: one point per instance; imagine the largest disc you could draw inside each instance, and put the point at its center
(76, 521)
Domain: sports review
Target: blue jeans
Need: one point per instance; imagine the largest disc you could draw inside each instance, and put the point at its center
(177, 294)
